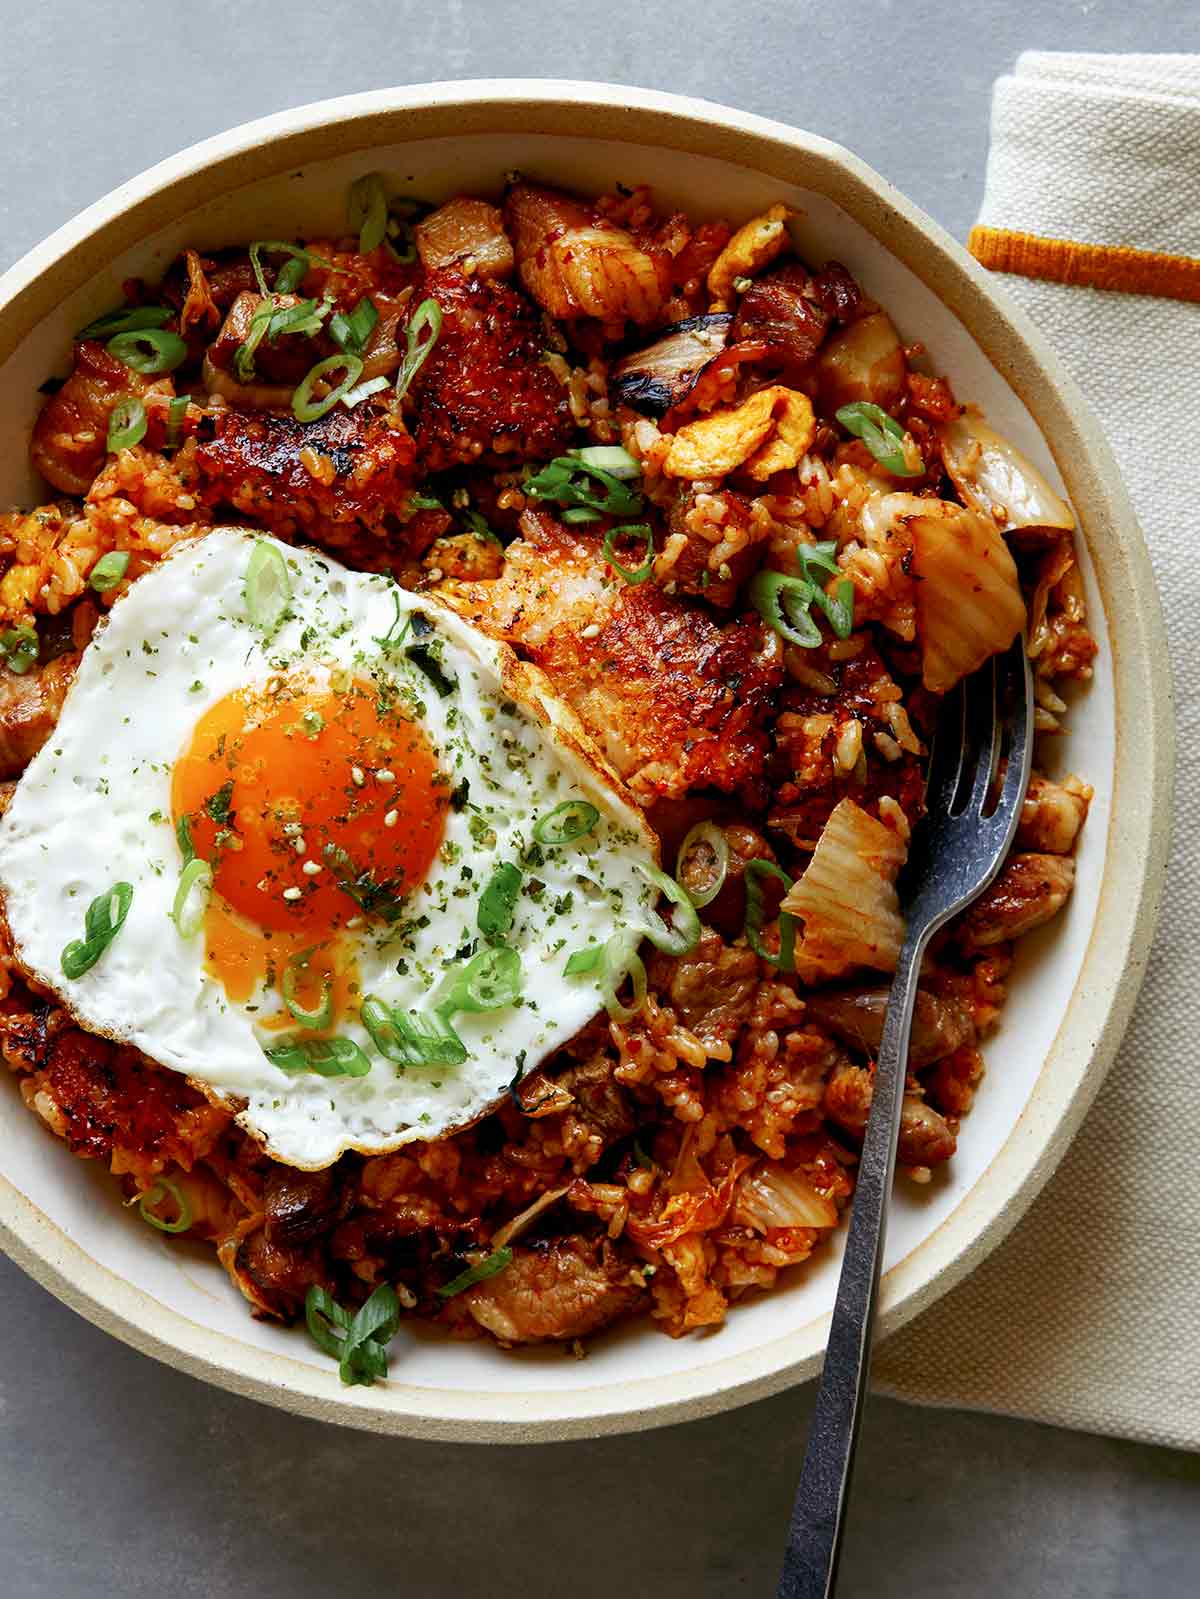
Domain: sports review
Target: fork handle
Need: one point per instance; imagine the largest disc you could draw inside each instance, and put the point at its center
(815, 1531)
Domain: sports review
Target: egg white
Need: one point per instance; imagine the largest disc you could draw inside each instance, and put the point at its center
(94, 808)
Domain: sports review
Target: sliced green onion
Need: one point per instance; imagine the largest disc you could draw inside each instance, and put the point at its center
(243, 356)
(427, 318)
(126, 425)
(304, 407)
(704, 852)
(268, 588)
(103, 920)
(610, 458)
(367, 205)
(351, 331)
(480, 529)
(684, 932)
(358, 1342)
(192, 895)
(491, 980)
(328, 1057)
(640, 530)
(176, 416)
(149, 350)
(322, 1014)
(498, 902)
(363, 391)
(641, 1157)
(571, 481)
(566, 822)
(427, 658)
(20, 648)
(409, 1039)
(755, 871)
(579, 516)
(131, 319)
(584, 960)
(183, 833)
(883, 436)
(303, 319)
(496, 1261)
(162, 1189)
(292, 279)
(108, 571)
(783, 601)
(620, 959)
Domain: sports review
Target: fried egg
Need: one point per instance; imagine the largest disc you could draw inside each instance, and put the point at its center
(321, 846)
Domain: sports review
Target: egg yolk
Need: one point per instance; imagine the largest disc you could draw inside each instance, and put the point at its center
(317, 810)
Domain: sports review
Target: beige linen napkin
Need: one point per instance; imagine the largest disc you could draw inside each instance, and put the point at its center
(1089, 1314)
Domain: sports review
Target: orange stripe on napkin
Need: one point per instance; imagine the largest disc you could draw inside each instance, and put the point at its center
(1099, 266)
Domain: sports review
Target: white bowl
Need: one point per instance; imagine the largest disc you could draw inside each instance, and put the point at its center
(1075, 982)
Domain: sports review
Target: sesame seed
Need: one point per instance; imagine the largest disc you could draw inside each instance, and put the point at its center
(355, 921)
(391, 818)
(384, 776)
(724, 571)
(310, 868)
(591, 631)
(291, 829)
(292, 893)
(357, 776)
(299, 845)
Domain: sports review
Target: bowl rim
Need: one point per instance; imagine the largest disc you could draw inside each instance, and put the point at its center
(1115, 959)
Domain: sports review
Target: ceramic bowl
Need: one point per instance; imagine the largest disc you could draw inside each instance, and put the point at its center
(1074, 982)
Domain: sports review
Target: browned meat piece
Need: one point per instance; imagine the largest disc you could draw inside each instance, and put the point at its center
(779, 310)
(601, 1104)
(675, 699)
(322, 480)
(1030, 890)
(274, 1278)
(485, 392)
(70, 436)
(283, 361)
(925, 1138)
(29, 709)
(711, 989)
(299, 1204)
(575, 263)
(855, 1015)
(568, 1289)
(465, 232)
(698, 567)
(110, 1103)
(1052, 815)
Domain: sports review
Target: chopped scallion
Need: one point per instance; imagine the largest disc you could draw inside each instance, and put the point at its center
(755, 871)
(883, 436)
(148, 350)
(19, 648)
(108, 571)
(420, 336)
(317, 1016)
(610, 458)
(268, 588)
(408, 1039)
(164, 1188)
(496, 1261)
(498, 902)
(363, 391)
(566, 822)
(351, 331)
(684, 932)
(192, 895)
(621, 959)
(367, 205)
(638, 530)
(358, 1343)
(126, 425)
(491, 980)
(305, 408)
(328, 1057)
(103, 920)
(130, 319)
(702, 864)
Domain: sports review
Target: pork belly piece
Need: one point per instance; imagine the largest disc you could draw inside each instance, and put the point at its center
(674, 698)
(855, 1015)
(575, 263)
(925, 1137)
(1030, 890)
(69, 441)
(568, 1289)
(29, 709)
(109, 1103)
(711, 989)
(322, 480)
(1052, 814)
(465, 232)
(485, 391)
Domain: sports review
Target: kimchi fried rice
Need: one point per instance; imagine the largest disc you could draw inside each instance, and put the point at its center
(750, 539)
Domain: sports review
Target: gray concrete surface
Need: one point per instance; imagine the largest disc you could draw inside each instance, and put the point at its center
(119, 1477)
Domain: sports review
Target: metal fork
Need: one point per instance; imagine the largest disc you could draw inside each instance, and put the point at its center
(971, 816)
